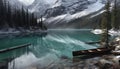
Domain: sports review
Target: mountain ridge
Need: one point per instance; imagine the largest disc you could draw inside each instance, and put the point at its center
(58, 13)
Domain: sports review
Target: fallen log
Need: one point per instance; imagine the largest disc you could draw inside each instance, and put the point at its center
(93, 51)
(13, 48)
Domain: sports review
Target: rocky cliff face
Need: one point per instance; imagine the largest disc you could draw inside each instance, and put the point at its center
(60, 7)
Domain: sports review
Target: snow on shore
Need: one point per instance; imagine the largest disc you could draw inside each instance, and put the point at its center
(111, 32)
(9, 31)
(97, 31)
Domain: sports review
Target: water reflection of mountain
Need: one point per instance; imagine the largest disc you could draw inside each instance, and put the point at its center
(52, 47)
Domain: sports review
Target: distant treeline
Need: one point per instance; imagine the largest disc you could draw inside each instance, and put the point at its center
(16, 18)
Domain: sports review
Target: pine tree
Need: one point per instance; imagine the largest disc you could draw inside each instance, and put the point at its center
(1, 12)
(5, 9)
(9, 15)
(106, 24)
(27, 18)
(115, 16)
(16, 18)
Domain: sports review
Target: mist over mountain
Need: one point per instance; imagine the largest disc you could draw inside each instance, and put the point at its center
(60, 13)
(52, 8)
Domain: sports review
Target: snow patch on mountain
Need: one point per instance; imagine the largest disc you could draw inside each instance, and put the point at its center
(39, 20)
(50, 1)
(39, 6)
(97, 14)
(27, 2)
(56, 5)
(55, 19)
(91, 8)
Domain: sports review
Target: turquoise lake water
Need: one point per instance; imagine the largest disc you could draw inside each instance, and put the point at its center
(46, 48)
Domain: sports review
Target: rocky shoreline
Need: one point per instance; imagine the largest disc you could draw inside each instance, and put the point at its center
(107, 61)
(101, 62)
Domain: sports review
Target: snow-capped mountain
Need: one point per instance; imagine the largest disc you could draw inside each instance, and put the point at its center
(52, 8)
(57, 12)
(65, 13)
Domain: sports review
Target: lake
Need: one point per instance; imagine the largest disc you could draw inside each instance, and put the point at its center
(48, 48)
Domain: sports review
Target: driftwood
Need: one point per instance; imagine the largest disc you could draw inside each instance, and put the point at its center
(13, 48)
(93, 51)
